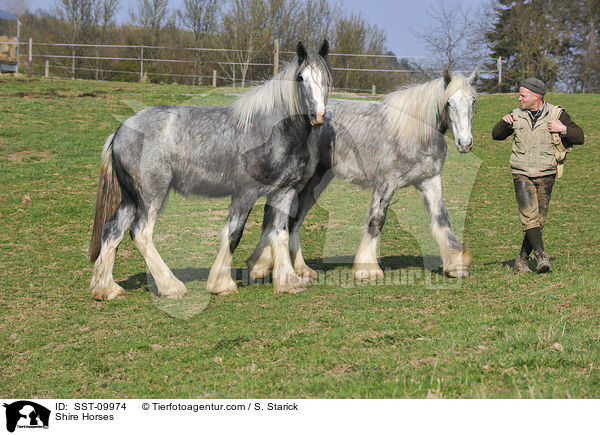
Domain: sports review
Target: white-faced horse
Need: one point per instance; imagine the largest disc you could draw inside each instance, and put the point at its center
(388, 144)
(259, 145)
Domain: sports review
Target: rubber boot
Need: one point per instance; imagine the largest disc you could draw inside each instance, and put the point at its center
(543, 262)
(521, 265)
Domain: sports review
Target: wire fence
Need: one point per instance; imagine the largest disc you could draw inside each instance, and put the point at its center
(363, 73)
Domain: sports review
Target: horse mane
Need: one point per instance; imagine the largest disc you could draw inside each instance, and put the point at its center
(279, 93)
(417, 113)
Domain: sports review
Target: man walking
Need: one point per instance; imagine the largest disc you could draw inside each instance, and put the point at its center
(533, 163)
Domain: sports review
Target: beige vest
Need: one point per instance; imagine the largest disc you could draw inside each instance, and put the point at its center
(532, 150)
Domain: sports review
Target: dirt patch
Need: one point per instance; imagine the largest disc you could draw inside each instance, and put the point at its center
(91, 94)
(28, 156)
(344, 369)
(50, 93)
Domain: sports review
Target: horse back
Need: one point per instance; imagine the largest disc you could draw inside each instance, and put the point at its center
(360, 147)
(202, 151)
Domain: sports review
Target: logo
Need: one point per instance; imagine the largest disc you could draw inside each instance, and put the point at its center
(26, 414)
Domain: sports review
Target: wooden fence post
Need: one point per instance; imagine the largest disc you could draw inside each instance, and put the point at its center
(214, 78)
(275, 56)
(17, 49)
(499, 73)
(47, 69)
(30, 56)
(141, 63)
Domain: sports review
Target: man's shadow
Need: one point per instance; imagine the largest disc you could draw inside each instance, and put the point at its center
(511, 263)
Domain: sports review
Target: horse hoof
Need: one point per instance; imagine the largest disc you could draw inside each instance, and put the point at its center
(114, 291)
(224, 290)
(290, 288)
(222, 287)
(259, 273)
(368, 274)
(176, 291)
(457, 274)
(307, 273)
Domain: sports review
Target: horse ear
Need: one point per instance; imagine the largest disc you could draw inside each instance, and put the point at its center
(447, 77)
(474, 75)
(301, 52)
(324, 50)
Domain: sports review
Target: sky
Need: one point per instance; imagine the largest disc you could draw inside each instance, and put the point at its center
(396, 17)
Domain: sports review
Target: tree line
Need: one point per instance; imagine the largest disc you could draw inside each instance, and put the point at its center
(241, 32)
(557, 41)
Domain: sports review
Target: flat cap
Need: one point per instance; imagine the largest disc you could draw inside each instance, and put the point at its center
(534, 85)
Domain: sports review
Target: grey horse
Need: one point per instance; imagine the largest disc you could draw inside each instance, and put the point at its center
(262, 144)
(387, 144)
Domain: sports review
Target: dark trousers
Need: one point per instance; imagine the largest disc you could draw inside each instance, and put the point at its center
(533, 198)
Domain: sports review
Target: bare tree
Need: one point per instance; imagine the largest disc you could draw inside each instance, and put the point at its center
(283, 22)
(15, 7)
(77, 24)
(78, 19)
(353, 35)
(199, 16)
(151, 16)
(315, 21)
(447, 32)
(245, 30)
(581, 58)
(107, 11)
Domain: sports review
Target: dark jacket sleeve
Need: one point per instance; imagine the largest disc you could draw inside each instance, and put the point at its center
(502, 130)
(574, 134)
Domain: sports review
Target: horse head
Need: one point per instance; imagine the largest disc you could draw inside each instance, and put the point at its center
(461, 97)
(313, 78)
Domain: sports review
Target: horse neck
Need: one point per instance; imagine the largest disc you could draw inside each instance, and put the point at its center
(417, 114)
(276, 98)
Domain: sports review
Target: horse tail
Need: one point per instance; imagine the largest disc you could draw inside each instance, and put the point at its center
(107, 198)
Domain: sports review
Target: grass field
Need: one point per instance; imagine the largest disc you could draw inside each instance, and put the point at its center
(414, 335)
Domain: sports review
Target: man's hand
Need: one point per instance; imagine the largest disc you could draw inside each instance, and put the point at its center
(557, 127)
(509, 119)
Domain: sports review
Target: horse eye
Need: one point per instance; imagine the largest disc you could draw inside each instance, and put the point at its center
(300, 78)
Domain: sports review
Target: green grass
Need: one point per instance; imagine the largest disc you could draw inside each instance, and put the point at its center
(492, 335)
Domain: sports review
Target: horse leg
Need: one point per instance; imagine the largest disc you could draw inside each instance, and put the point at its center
(142, 231)
(261, 261)
(456, 257)
(103, 285)
(300, 267)
(219, 279)
(285, 279)
(307, 198)
(365, 262)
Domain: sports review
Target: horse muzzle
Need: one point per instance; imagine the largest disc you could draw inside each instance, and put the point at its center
(318, 119)
(464, 147)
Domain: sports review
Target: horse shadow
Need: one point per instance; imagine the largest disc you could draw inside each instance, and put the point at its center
(320, 265)
(142, 279)
(395, 262)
